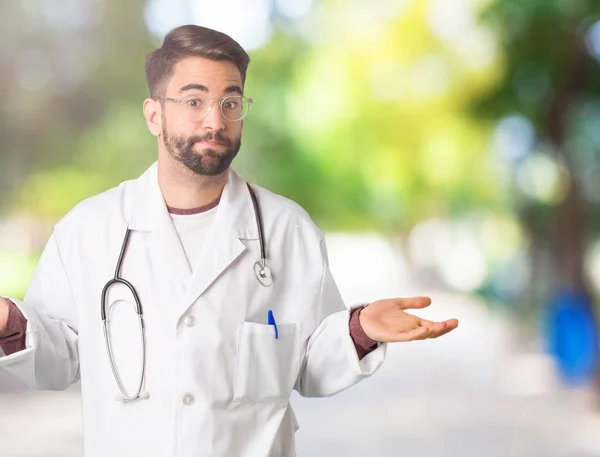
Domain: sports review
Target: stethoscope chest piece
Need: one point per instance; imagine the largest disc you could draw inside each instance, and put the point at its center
(263, 273)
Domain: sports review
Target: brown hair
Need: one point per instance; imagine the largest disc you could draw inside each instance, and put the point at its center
(188, 41)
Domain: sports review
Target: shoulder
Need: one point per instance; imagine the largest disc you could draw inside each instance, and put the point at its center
(280, 210)
(95, 212)
(292, 223)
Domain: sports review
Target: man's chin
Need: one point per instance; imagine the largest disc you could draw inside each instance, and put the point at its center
(206, 165)
(208, 157)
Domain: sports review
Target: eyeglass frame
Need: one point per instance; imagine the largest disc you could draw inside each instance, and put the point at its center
(250, 101)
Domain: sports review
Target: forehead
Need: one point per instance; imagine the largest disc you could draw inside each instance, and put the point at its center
(215, 75)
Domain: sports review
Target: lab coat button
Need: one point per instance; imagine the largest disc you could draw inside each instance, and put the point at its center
(188, 400)
(189, 321)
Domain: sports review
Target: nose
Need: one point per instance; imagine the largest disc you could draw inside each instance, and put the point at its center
(213, 120)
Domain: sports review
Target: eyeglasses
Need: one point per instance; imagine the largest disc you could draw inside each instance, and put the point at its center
(233, 107)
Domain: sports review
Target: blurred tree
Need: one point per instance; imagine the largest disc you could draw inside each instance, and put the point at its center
(378, 109)
(66, 68)
(552, 81)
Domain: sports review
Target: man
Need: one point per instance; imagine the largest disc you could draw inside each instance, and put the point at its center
(229, 326)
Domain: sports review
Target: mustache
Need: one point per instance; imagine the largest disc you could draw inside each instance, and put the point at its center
(208, 137)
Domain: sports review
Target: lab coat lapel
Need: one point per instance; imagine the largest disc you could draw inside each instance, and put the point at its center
(164, 246)
(234, 221)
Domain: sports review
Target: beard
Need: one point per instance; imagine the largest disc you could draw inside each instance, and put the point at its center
(208, 162)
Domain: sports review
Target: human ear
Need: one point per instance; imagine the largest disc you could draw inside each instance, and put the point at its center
(153, 114)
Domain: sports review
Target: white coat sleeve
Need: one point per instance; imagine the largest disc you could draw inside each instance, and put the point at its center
(331, 363)
(50, 359)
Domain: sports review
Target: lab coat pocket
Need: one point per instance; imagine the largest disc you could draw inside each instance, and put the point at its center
(266, 367)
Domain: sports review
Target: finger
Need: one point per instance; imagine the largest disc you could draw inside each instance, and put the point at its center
(441, 333)
(447, 327)
(428, 330)
(432, 329)
(428, 323)
(439, 325)
(413, 302)
(425, 333)
(417, 333)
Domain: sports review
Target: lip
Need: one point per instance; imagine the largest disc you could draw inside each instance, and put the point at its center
(211, 143)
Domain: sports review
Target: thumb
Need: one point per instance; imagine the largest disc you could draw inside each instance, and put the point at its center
(413, 302)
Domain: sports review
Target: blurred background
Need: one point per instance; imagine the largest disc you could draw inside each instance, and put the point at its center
(446, 147)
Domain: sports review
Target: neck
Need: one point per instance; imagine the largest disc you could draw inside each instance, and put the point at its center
(183, 189)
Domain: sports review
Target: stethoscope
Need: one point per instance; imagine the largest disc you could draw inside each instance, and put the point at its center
(261, 271)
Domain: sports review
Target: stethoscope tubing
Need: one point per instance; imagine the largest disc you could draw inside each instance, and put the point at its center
(262, 272)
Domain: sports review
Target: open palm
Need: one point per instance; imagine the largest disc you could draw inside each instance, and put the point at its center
(387, 321)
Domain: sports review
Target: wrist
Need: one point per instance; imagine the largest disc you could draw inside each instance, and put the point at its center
(4, 309)
(365, 340)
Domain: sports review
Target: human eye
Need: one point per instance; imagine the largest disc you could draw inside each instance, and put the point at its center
(230, 104)
(195, 102)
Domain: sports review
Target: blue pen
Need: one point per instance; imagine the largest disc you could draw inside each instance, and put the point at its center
(271, 321)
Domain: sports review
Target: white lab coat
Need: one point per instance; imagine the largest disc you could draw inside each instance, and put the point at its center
(218, 381)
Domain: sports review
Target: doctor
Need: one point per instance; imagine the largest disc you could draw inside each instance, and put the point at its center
(223, 300)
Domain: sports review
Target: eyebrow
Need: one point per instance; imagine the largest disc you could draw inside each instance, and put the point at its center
(228, 90)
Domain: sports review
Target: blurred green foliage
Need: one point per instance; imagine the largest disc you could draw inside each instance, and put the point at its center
(552, 81)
